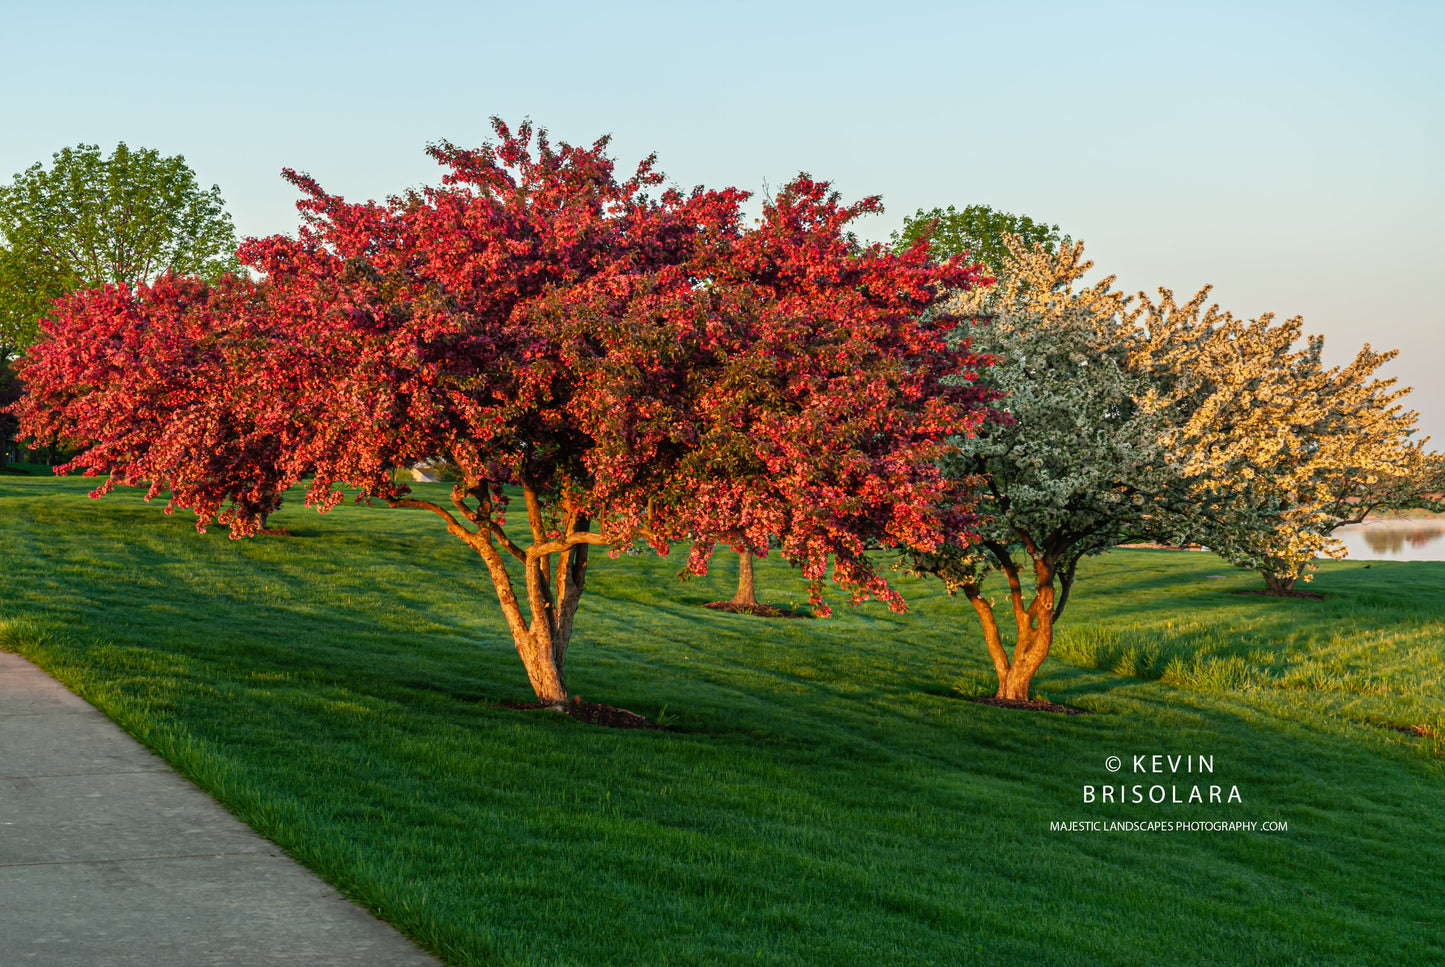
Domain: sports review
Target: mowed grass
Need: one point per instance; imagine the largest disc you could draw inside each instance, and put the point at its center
(827, 797)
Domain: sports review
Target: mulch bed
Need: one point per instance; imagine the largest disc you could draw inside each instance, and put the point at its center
(1030, 706)
(593, 713)
(761, 610)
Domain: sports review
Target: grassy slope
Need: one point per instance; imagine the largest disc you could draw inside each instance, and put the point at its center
(831, 799)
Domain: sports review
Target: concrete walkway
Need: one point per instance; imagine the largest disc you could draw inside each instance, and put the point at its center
(108, 857)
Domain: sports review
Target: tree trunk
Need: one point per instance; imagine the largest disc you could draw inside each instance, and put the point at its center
(745, 596)
(1032, 649)
(1277, 584)
(555, 572)
(1034, 622)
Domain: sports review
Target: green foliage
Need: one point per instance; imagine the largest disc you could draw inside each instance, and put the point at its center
(90, 221)
(826, 799)
(977, 230)
(10, 391)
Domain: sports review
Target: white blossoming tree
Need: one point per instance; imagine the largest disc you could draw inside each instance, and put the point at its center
(1289, 449)
(1131, 418)
(1078, 463)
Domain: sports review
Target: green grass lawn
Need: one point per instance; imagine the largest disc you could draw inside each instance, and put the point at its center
(828, 796)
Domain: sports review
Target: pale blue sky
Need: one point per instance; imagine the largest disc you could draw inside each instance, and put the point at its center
(1289, 153)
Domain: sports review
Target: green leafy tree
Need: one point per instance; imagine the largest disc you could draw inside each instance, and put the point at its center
(978, 230)
(89, 221)
(9, 393)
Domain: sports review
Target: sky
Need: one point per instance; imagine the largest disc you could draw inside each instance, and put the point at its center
(1289, 154)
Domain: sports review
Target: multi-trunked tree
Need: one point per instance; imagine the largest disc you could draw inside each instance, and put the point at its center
(632, 369)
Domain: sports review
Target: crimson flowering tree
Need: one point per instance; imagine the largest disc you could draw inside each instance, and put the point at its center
(152, 386)
(640, 368)
(829, 414)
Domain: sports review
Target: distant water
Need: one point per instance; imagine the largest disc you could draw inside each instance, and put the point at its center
(1414, 539)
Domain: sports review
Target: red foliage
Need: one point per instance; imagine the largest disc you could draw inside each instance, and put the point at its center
(154, 388)
(809, 401)
(642, 367)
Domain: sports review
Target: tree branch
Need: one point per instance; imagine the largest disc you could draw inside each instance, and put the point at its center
(1066, 581)
(454, 526)
(570, 541)
(990, 630)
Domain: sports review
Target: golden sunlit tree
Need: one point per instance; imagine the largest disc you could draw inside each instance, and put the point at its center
(1131, 418)
(1287, 448)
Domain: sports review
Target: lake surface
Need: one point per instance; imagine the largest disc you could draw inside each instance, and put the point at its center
(1413, 539)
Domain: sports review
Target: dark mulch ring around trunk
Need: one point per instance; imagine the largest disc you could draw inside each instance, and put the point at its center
(593, 713)
(761, 610)
(1266, 593)
(1030, 706)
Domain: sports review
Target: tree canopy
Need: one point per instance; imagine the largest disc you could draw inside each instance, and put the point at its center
(90, 221)
(151, 387)
(1077, 466)
(1139, 418)
(635, 368)
(978, 232)
(1296, 449)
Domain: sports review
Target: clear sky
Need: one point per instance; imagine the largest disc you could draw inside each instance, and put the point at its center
(1288, 153)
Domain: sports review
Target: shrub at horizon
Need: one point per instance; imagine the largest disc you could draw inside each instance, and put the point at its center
(638, 365)
(10, 392)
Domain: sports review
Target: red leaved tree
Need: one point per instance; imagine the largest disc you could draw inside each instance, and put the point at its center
(153, 388)
(829, 416)
(638, 367)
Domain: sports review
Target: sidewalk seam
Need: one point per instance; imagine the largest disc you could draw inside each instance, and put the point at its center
(141, 859)
(50, 711)
(77, 775)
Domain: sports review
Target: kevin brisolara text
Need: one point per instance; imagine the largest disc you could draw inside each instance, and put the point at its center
(1160, 794)
(1167, 826)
